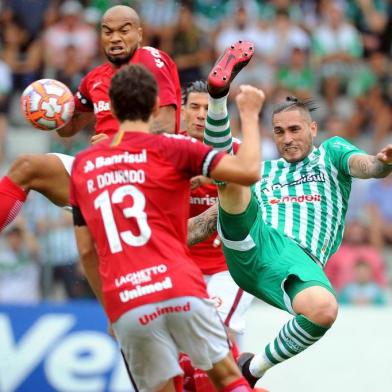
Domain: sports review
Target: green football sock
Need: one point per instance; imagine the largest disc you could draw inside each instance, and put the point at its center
(217, 133)
(295, 336)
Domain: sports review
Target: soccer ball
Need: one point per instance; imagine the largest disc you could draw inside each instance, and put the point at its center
(47, 104)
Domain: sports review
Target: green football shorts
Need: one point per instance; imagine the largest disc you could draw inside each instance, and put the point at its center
(266, 260)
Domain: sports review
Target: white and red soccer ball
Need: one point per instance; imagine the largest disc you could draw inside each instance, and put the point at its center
(47, 104)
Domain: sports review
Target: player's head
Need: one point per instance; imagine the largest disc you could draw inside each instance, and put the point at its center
(121, 34)
(134, 94)
(293, 128)
(194, 108)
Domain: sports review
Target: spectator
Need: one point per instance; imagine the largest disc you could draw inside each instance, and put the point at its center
(260, 71)
(341, 266)
(336, 46)
(370, 18)
(158, 17)
(19, 266)
(286, 36)
(371, 117)
(31, 14)
(363, 290)
(188, 47)
(379, 200)
(71, 71)
(59, 252)
(297, 76)
(70, 32)
(23, 54)
(5, 90)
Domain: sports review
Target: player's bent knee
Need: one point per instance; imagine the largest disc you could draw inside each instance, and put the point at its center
(23, 170)
(324, 312)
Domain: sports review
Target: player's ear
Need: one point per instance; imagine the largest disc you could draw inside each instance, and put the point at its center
(155, 109)
(140, 35)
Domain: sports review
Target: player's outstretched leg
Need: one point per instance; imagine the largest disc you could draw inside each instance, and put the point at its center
(217, 133)
(43, 173)
(295, 336)
(228, 66)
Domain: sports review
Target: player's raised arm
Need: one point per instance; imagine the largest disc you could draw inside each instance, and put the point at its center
(370, 166)
(244, 167)
(202, 226)
(78, 121)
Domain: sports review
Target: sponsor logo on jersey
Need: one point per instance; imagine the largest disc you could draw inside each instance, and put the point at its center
(101, 106)
(156, 55)
(206, 200)
(125, 157)
(145, 319)
(141, 291)
(141, 276)
(302, 180)
(296, 199)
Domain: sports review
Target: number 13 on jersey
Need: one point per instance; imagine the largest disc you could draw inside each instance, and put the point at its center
(104, 202)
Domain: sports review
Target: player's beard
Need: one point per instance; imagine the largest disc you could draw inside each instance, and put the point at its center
(119, 61)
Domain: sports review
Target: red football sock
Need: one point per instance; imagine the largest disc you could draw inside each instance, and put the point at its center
(202, 382)
(178, 383)
(12, 197)
(240, 385)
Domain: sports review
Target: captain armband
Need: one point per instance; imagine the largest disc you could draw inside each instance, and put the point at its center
(78, 218)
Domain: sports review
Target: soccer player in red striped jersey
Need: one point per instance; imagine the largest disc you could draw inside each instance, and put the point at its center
(130, 199)
(48, 174)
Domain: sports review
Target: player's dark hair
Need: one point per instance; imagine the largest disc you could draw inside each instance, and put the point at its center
(133, 93)
(293, 103)
(198, 86)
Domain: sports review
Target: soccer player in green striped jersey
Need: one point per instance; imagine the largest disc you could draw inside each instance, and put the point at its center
(278, 234)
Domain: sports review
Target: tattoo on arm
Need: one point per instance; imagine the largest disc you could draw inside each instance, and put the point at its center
(368, 166)
(202, 226)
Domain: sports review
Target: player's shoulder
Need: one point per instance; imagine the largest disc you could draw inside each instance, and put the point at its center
(99, 70)
(152, 56)
(178, 137)
(336, 143)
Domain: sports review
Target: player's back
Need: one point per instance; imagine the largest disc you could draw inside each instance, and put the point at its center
(134, 196)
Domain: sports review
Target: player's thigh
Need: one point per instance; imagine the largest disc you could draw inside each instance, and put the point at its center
(47, 174)
(148, 347)
(59, 170)
(289, 272)
(263, 262)
(230, 300)
(199, 332)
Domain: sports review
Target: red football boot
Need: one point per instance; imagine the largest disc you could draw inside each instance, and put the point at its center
(228, 66)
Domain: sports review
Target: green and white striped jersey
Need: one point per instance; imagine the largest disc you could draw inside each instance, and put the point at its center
(307, 200)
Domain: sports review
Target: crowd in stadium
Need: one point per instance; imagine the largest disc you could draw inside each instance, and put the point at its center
(337, 52)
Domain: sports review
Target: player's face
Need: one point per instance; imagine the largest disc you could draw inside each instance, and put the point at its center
(293, 134)
(195, 113)
(120, 38)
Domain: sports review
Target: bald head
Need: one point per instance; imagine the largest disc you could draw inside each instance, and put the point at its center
(121, 34)
(121, 13)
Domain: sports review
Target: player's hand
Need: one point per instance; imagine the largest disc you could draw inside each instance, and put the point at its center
(385, 155)
(199, 181)
(98, 138)
(250, 100)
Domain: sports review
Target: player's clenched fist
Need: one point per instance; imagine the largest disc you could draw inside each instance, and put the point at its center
(250, 100)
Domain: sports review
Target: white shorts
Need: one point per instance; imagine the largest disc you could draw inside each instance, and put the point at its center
(152, 336)
(231, 301)
(67, 160)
